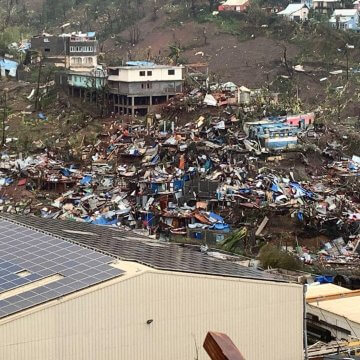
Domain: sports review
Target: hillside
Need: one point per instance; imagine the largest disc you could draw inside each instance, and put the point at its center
(252, 49)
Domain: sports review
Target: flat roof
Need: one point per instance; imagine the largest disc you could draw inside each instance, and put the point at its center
(348, 307)
(335, 299)
(142, 67)
(324, 290)
(128, 246)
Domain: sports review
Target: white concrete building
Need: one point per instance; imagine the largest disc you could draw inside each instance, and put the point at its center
(147, 300)
(139, 85)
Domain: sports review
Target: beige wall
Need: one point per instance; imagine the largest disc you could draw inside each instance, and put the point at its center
(264, 319)
(336, 320)
(158, 74)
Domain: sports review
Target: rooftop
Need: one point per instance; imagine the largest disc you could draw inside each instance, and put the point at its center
(345, 12)
(129, 246)
(335, 299)
(144, 66)
(235, 2)
(292, 8)
(36, 267)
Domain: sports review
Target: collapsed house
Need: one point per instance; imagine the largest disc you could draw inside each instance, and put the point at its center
(75, 51)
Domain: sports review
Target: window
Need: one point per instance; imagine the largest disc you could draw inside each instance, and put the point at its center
(76, 61)
(143, 86)
(47, 50)
(142, 73)
(149, 85)
(46, 40)
(149, 73)
(171, 72)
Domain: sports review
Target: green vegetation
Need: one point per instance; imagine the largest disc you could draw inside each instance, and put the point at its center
(235, 241)
(271, 256)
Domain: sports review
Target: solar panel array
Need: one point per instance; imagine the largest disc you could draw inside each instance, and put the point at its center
(132, 247)
(42, 256)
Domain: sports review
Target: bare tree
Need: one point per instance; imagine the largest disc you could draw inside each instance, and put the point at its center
(134, 33)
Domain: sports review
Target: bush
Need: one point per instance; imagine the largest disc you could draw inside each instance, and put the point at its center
(271, 256)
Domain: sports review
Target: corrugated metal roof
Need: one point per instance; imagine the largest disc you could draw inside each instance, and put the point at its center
(291, 8)
(325, 290)
(235, 2)
(345, 12)
(129, 246)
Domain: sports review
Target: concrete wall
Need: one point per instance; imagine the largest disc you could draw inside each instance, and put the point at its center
(263, 319)
(132, 74)
(146, 88)
(86, 81)
(49, 46)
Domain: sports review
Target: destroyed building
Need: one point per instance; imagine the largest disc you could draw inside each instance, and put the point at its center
(75, 51)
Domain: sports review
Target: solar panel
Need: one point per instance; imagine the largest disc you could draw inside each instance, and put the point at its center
(42, 256)
(130, 246)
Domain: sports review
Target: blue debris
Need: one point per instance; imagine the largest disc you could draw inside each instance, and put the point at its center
(324, 279)
(86, 180)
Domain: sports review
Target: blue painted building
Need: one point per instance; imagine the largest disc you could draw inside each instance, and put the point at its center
(345, 19)
(274, 135)
(8, 67)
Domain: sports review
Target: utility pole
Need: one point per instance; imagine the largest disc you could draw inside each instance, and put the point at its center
(38, 86)
(5, 116)
(305, 324)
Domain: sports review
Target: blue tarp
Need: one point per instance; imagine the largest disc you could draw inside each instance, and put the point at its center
(86, 180)
(104, 221)
(275, 188)
(65, 172)
(101, 220)
(178, 184)
(301, 190)
(217, 217)
(140, 63)
(154, 187)
(324, 279)
(223, 227)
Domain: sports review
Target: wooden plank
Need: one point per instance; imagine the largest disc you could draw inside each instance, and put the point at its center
(220, 347)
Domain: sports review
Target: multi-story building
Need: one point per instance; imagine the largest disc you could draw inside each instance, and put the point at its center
(136, 87)
(326, 6)
(76, 51)
(81, 51)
